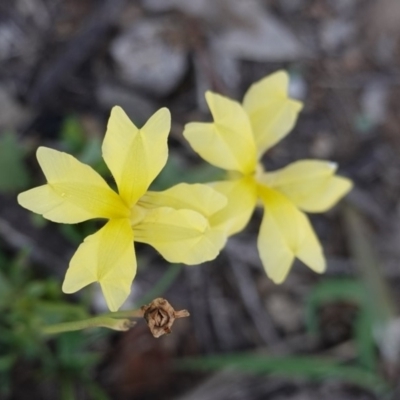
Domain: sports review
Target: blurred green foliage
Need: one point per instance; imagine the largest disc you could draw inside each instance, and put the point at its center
(72, 134)
(85, 147)
(13, 172)
(364, 374)
(26, 305)
(351, 291)
(313, 368)
(175, 171)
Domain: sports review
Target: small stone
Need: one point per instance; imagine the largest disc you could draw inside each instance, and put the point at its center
(374, 101)
(12, 114)
(287, 314)
(297, 87)
(147, 59)
(263, 38)
(323, 146)
(336, 33)
(138, 107)
(291, 6)
(345, 7)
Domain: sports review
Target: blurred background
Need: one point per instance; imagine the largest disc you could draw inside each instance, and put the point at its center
(65, 63)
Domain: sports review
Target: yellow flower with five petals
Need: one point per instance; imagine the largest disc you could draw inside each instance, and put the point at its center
(75, 192)
(235, 141)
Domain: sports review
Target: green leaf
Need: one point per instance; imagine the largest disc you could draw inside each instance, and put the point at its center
(7, 362)
(161, 285)
(38, 221)
(91, 153)
(313, 368)
(332, 290)
(13, 173)
(71, 233)
(95, 391)
(18, 273)
(365, 340)
(6, 288)
(54, 312)
(328, 291)
(72, 354)
(175, 171)
(361, 245)
(73, 134)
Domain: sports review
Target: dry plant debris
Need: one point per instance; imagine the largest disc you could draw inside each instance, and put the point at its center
(160, 316)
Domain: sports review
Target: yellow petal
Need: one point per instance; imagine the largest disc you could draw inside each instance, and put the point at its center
(310, 184)
(272, 113)
(136, 156)
(106, 257)
(180, 235)
(286, 233)
(74, 193)
(242, 198)
(45, 201)
(196, 197)
(228, 142)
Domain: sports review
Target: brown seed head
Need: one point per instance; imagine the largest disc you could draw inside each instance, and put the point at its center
(160, 316)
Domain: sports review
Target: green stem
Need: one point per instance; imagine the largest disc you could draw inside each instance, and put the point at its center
(162, 284)
(361, 246)
(105, 321)
(310, 367)
(138, 313)
(119, 320)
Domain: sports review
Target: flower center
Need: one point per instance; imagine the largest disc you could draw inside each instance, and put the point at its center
(137, 214)
(258, 172)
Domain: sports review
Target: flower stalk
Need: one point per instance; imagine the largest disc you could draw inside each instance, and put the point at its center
(159, 315)
(115, 323)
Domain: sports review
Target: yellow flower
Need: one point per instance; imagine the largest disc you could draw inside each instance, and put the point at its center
(235, 141)
(75, 192)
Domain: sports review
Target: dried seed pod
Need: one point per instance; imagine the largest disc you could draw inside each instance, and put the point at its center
(160, 316)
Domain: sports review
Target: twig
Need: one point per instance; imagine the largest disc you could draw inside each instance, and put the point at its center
(386, 326)
(200, 316)
(362, 249)
(252, 301)
(92, 33)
